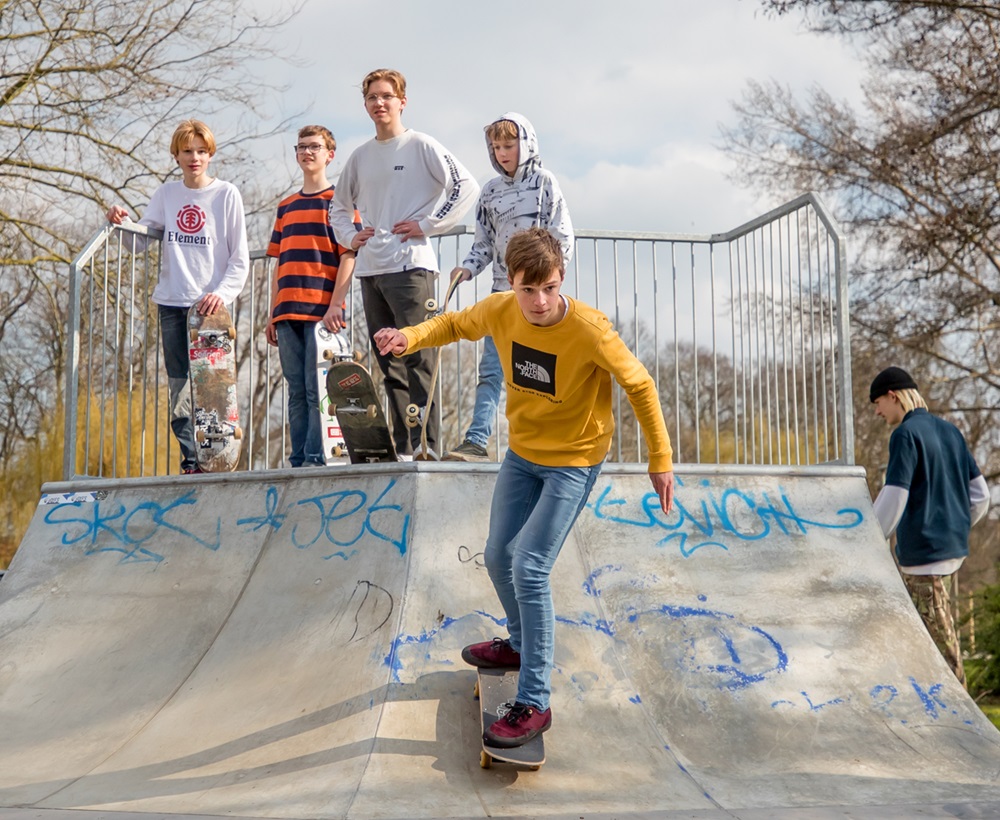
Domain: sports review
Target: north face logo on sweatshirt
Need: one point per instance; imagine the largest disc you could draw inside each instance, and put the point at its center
(533, 369)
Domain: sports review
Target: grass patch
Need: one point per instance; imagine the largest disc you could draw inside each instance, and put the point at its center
(991, 708)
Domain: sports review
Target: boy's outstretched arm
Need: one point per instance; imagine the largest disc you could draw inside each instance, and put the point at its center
(663, 485)
(389, 340)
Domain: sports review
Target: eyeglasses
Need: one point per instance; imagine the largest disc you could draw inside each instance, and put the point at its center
(309, 149)
(374, 99)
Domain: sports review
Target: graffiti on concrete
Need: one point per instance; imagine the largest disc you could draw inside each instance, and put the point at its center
(705, 515)
(144, 531)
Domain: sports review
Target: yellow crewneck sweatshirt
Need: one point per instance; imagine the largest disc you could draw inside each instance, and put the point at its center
(558, 380)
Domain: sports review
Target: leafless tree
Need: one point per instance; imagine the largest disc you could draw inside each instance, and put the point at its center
(90, 91)
(915, 177)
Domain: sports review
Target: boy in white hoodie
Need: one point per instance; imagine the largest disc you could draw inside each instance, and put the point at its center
(524, 195)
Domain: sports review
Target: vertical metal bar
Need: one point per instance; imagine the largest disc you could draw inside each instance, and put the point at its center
(756, 393)
(732, 334)
(694, 354)
(115, 388)
(72, 374)
(677, 359)
(145, 361)
(746, 409)
(785, 254)
(131, 375)
(834, 382)
(774, 422)
(715, 351)
(635, 333)
(812, 347)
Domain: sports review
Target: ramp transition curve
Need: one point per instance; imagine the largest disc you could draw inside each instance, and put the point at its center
(287, 645)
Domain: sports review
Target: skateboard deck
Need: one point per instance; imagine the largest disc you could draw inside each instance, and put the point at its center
(330, 347)
(215, 412)
(357, 407)
(497, 689)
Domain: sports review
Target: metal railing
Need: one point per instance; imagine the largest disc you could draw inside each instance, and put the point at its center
(745, 332)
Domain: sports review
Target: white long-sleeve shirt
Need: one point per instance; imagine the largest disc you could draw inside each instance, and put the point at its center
(204, 246)
(409, 177)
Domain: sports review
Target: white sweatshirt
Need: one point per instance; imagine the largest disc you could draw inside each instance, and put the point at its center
(409, 177)
(204, 242)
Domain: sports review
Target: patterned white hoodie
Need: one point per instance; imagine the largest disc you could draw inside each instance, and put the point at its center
(530, 198)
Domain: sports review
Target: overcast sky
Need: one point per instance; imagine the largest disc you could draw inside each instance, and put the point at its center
(626, 95)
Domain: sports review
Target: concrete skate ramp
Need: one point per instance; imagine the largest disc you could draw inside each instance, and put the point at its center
(287, 645)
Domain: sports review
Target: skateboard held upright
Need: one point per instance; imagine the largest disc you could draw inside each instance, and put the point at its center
(330, 348)
(497, 690)
(353, 401)
(214, 410)
(415, 415)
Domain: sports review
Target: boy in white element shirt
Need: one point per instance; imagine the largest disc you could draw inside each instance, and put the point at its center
(407, 188)
(205, 260)
(524, 195)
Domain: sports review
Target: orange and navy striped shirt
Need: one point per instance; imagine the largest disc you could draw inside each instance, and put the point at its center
(308, 256)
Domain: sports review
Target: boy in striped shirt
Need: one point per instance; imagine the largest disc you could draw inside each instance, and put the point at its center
(310, 284)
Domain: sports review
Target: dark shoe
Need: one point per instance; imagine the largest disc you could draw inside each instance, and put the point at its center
(495, 654)
(467, 451)
(518, 726)
(191, 470)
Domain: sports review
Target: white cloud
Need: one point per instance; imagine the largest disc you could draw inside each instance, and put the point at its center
(626, 97)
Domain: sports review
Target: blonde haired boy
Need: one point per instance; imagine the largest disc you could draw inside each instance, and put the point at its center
(204, 260)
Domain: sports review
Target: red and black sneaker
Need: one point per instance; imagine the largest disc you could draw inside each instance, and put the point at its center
(495, 654)
(518, 726)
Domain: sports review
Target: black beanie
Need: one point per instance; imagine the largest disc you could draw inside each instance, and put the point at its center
(892, 378)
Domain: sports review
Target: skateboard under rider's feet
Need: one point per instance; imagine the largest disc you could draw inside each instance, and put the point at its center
(497, 690)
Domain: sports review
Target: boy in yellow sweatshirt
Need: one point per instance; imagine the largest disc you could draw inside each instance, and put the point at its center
(558, 357)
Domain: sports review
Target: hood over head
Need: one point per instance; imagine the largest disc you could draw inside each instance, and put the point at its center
(527, 159)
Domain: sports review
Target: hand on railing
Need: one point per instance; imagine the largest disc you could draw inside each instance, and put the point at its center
(117, 214)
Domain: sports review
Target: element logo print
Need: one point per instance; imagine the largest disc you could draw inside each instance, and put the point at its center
(190, 219)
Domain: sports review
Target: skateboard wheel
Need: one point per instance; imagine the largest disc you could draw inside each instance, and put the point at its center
(238, 433)
(338, 451)
(231, 332)
(412, 410)
(194, 336)
(431, 304)
(328, 354)
(475, 690)
(411, 422)
(485, 761)
(199, 435)
(372, 411)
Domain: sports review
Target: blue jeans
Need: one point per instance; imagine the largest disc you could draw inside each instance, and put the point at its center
(487, 394)
(533, 510)
(297, 354)
(174, 336)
